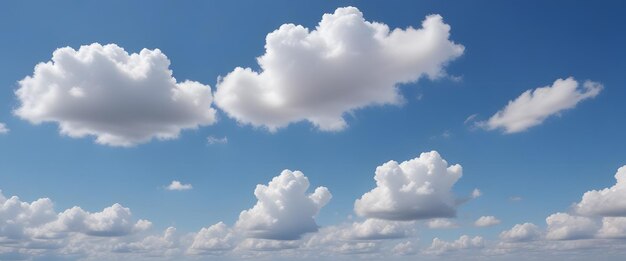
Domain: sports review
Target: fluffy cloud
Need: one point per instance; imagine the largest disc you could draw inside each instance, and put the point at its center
(214, 140)
(37, 225)
(3, 128)
(562, 226)
(521, 233)
(404, 249)
(371, 229)
(120, 99)
(283, 211)
(154, 245)
(213, 240)
(439, 246)
(346, 63)
(606, 202)
(486, 221)
(534, 106)
(438, 223)
(176, 185)
(416, 189)
(613, 227)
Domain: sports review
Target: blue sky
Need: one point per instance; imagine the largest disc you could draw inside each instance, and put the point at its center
(507, 48)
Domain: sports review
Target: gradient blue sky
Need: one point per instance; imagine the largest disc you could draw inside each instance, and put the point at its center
(510, 47)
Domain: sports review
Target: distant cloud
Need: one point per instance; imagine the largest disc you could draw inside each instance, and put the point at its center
(213, 240)
(439, 223)
(534, 106)
(214, 140)
(346, 63)
(416, 189)
(283, 211)
(606, 202)
(122, 99)
(476, 193)
(515, 198)
(3, 128)
(486, 221)
(439, 246)
(176, 185)
(563, 226)
(521, 233)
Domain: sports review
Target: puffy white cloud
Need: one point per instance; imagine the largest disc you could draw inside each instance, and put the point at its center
(257, 244)
(606, 202)
(563, 226)
(22, 220)
(404, 249)
(153, 245)
(521, 233)
(438, 223)
(351, 248)
(122, 99)
(613, 227)
(112, 221)
(3, 128)
(378, 229)
(486, 221)
(283, 211)
(213, 240)
(439, 246)
(176, 185)
(345, 64)
(416, 189)
(476, 193)
(534, 106)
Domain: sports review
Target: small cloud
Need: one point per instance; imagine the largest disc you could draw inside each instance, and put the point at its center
(486, 221)
(515, 198)
(176, 185)
(214, 140)
(3, 128)
(476, 193)
(441, 223)
(470, 118)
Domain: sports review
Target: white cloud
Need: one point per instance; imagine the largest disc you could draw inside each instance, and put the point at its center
(37, 225)
(404, 249)
(534, 106)
(120, 99)
(154, 245)
(345, 64)
(283, 211)
(215, 140)
(3, 128)
(606, 202)
(439, 223)
(257, 244)
(562, 226)
(371, 229)
(486, 221)
(439, 246)
(416, 189)
(476, 193)
(521, 233)
(213, 240)
(613, 227)
(176, 185)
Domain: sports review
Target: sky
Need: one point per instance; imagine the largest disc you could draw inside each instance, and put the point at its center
(286, 130)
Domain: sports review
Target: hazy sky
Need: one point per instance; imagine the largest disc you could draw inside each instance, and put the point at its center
(234, 130)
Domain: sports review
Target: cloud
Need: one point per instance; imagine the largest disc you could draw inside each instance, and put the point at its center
(416, 189)
(215, 239)
(344, 64)
(439, 246)
(38, 225)
(283, 211)
(439, 223)
(521, 233)
(476, 193)
(214, 140)
(404, 249)
(534, 106)
(153, 245)
(613, 227)
(563, 226)
(176, 185)
(122, 99)
(3, 128)
(372, 229)
(486, 221)
(609, 202)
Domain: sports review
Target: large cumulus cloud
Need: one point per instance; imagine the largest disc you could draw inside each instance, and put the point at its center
(122, 99)
(284, 210)
(606, 202)
(344, 64)
(416, 189)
